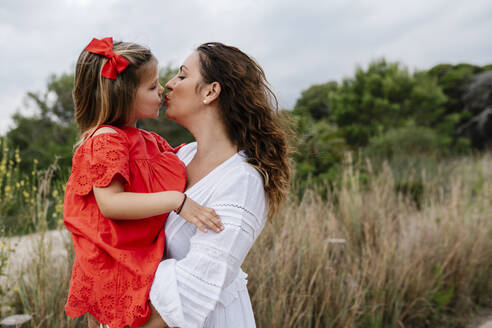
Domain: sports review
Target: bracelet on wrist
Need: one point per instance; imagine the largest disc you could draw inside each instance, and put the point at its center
(178, 210)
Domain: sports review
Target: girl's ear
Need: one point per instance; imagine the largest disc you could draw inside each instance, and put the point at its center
(212, 93)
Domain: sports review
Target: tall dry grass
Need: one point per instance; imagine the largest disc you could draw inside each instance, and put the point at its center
(366, 256)
(401, 265)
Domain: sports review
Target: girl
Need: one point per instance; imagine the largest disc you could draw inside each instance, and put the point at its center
(124, 181)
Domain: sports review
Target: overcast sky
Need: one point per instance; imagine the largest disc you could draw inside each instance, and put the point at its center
(298, 43)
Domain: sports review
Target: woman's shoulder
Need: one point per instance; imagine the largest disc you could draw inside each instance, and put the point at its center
(237, 171)
(240, 186)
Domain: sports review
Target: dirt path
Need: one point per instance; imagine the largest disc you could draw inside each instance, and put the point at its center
(24, 247)
(483, 319)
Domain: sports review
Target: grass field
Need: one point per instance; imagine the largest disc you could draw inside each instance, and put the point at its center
(368, 253)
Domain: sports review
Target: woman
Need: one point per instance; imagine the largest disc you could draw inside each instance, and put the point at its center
(237, 166)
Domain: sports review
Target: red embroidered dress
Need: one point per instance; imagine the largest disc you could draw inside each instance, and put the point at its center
(115, 260)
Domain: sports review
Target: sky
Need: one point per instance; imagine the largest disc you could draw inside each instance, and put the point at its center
(298, 43)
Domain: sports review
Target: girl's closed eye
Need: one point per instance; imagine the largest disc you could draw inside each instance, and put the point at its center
(181, 77)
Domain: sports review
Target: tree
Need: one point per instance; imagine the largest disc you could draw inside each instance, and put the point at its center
(478, 93)
(453, 80)
(319, 151)
(50, 131)
(315, 101)
(384, 96)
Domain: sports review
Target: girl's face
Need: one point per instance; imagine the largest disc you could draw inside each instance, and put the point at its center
(148, 99)
(184, 93)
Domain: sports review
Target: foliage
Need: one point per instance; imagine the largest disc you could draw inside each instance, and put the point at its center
(315, 101)
(332, 119)
(319, 151)
(467, 88)
(382, 97)
(40, 269)
(453, 80)
(22, 195)
(50, 132)
(478, 93)
(408, 141)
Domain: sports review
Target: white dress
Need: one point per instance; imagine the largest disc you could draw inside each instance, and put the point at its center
(200, 283)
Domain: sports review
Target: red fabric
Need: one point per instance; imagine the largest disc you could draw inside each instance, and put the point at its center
(115, 260)
(115, 64)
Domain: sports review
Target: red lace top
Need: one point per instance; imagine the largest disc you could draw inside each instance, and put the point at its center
(115, 260)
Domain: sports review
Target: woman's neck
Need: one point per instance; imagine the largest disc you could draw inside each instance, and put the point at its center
(213, 143)
(215, 146)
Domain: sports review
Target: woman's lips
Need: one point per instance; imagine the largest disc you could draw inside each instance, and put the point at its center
(166, 100)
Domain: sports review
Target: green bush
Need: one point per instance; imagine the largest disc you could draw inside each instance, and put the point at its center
(319, 152)
(407, 141)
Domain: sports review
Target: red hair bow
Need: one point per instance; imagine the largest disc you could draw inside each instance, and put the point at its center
(115, 64)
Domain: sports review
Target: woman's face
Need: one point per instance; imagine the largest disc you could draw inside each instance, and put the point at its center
(184, 97)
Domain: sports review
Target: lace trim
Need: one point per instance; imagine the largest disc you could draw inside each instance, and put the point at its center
(240, 227)
(215, 252)
(198, 277)
(236, 206)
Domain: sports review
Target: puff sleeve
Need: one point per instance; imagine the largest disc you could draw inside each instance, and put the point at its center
(186, 291)
(98, 160)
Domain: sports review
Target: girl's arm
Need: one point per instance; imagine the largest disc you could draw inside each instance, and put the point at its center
(115, 203)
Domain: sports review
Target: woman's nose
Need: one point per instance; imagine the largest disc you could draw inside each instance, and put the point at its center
(168, 85)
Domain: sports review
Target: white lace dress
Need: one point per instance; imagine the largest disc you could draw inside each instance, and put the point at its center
(201, 284)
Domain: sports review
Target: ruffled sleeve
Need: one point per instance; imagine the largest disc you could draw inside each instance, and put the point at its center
(185, 292)
(98, 160)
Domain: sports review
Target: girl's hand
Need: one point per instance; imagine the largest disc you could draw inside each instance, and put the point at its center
(200, 216)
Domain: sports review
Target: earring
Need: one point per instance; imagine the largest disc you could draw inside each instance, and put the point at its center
(204, 102)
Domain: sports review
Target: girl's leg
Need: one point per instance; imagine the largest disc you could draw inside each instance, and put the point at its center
(91, 321)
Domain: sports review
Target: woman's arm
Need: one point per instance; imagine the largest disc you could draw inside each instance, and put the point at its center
(115, 203)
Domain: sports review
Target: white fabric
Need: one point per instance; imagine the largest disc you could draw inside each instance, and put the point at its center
(201, 283)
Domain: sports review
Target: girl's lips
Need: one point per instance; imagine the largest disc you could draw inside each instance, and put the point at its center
(166, 100)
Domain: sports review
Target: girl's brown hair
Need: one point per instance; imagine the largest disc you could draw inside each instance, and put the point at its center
(249, 110)
(99, 100)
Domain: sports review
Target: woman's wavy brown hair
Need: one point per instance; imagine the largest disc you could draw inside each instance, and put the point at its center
(250, 114)
(99, 100)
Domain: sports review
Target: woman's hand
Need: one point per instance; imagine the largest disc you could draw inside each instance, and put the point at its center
(200, 216)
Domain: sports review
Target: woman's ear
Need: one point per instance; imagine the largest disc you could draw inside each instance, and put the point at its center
(213, 92)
